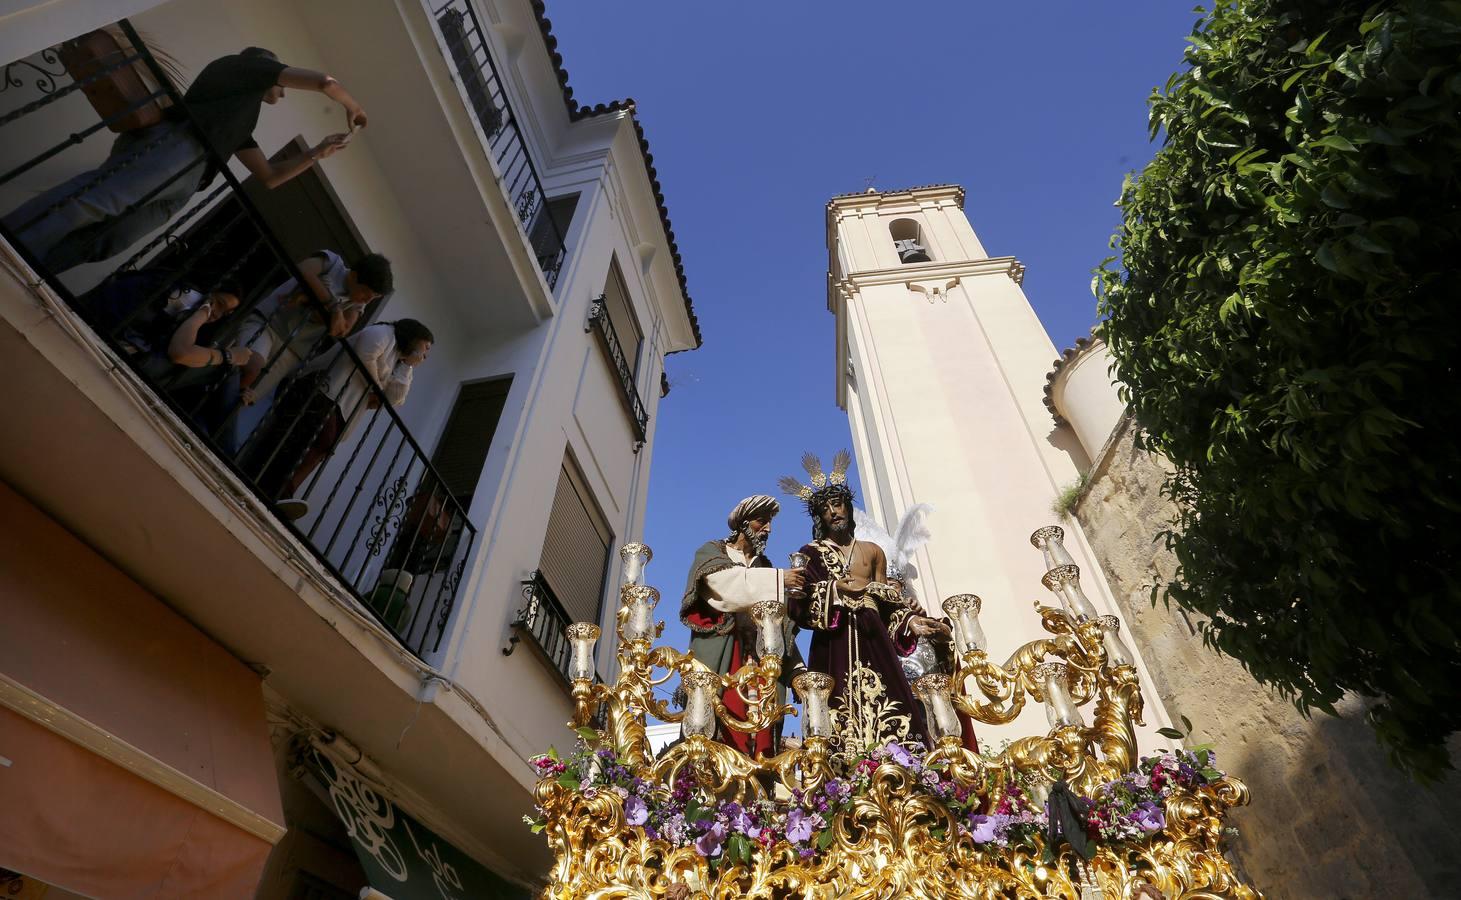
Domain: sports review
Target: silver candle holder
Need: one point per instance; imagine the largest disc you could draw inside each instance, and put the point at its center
(582, 636)
(634, 556)
(815, 691)
(1060, 709)
(770, 619)
(701, 688)
(964, 609)
(639, 603)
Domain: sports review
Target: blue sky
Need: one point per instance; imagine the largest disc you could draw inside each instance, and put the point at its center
(758, 112)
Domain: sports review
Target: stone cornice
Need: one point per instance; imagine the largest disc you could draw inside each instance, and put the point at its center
(934, 271)
(1067, 358)
(877, 198)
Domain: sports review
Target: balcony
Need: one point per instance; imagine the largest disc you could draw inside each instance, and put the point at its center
(470, 57)
(600, 323)
(194, 311)
(541, 622)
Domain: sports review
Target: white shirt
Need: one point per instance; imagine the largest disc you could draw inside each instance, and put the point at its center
(381, 358)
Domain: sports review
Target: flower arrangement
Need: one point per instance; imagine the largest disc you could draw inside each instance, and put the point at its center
(1000, 813)
(1131, 807)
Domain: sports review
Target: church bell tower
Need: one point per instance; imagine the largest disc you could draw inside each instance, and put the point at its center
(942, 368)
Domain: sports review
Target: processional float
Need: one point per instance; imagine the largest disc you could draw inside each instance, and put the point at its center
(1073, 813)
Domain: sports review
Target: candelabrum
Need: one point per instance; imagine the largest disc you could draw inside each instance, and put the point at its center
(891, 839)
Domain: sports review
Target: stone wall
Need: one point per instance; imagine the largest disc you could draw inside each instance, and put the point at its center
(1330, 818)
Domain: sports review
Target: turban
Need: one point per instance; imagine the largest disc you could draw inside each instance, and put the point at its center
(749, 508)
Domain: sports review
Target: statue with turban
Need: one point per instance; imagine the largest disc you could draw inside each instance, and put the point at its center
(728, 577)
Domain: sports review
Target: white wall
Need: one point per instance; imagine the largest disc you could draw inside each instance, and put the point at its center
(950, 364)
(564, 398)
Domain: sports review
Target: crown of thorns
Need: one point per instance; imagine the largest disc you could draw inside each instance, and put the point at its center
(824, 485)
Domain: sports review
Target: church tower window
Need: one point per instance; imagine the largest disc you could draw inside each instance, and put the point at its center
(908, 241)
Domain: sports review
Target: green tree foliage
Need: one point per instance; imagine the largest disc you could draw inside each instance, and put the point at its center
(1285, 315)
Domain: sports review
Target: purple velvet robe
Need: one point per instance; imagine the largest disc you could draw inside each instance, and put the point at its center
(858, 641)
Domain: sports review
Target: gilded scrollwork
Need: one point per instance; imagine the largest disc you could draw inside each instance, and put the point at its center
(899, 834)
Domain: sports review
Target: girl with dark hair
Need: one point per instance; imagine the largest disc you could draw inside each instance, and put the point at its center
(323, 403)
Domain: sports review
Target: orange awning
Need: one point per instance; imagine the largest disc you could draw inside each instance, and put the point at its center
(85, 824)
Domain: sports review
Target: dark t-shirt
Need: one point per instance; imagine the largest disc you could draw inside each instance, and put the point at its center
(225, 100)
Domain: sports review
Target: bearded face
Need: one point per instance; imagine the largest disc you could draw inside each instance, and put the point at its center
(833, 515)
(757, 533)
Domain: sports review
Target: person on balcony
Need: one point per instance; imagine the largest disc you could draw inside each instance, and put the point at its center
(192, 361)
(286, 327)
(152, 172)
(861, 627)
(325, 400)
(728, 577)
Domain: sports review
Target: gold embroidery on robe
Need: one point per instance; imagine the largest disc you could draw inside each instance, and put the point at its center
(868, 717)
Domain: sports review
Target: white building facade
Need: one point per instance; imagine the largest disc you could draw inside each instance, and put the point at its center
(941, 365)
(252, 679)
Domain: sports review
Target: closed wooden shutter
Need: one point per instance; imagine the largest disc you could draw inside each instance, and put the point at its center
(576, 550)
(622, 318)
(463, 447)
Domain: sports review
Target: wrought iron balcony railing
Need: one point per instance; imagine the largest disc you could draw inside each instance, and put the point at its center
(365, 496)
(542, 621)
(471, 59)
(598, 320)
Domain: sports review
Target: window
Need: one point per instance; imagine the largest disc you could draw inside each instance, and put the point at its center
(462, 450)
(908, 240)
(550, 230)
(576, 550)
(621, 317)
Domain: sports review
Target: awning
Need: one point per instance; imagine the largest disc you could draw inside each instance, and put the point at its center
(402, 858)
(85, 824)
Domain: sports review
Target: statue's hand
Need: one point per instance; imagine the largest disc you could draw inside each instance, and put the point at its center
(923, 626)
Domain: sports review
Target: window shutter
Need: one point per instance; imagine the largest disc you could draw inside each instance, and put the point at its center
(576, 550)
(622, 318)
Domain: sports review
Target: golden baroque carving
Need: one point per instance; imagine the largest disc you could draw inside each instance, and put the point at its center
(887, 824)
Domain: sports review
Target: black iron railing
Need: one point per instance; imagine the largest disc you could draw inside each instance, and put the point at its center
(598, 321)
(542, 619)
(471, 61)
(208, 313)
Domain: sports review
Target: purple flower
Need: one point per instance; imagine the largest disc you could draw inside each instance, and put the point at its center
(1149, 816)
(708, 844)
(798, 826)
(744, 823)
(900, 754)
(673, 829)
(636, 812)
(837, 790)
(984, 829)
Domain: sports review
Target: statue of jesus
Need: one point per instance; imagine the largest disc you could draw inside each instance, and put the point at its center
(860, 625)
